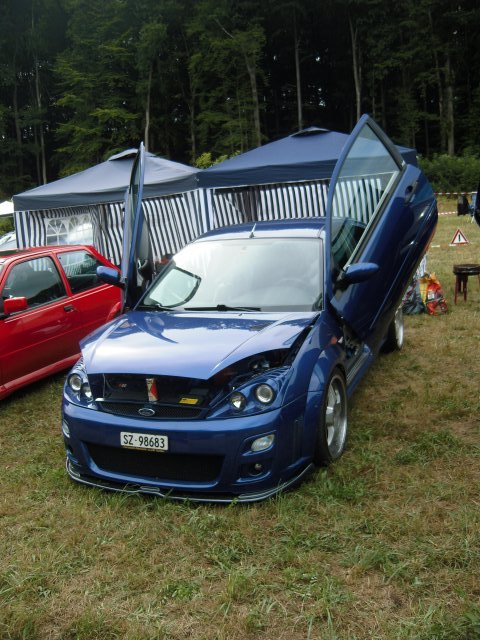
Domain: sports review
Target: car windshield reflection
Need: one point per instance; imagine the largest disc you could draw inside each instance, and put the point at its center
(267, 274)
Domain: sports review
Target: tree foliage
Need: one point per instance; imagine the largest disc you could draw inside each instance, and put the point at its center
(81, 80)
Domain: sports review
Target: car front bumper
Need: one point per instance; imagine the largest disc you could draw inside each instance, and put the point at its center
(206, 461)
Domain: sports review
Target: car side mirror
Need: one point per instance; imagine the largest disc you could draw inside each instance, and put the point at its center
(110, 276)
(356, 273)
(12, 305)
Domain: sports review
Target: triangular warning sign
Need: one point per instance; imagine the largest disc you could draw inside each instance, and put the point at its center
(458, 238)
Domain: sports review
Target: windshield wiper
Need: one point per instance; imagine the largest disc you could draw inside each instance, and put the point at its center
(222, 307)
(153, 307)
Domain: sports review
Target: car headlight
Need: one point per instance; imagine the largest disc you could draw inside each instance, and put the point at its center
(252, 385)
(87, 392)
(77, 383)
(238, 401)
(264, 393)
(251, 397)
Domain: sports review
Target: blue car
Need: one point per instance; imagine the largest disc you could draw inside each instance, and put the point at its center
(228, 376)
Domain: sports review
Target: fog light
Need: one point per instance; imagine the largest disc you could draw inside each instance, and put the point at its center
(262, 443)
(238, 400)
(65, 429)
(74, 382)
(264, 393)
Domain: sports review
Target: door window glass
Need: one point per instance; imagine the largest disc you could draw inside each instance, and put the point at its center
(81, 270)
(37, 280)
(365, 182)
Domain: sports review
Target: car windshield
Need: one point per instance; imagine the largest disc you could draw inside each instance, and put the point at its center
(267, 274)
(8, 238)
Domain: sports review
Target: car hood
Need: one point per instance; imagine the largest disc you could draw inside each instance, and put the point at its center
(194, 345)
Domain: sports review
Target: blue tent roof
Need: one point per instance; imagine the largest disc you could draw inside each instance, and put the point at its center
(107, 182)
(310, 154)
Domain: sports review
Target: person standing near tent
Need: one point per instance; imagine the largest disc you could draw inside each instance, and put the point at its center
(476, 206)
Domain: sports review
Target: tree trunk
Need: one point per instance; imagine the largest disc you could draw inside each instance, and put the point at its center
(450, 117)
(425, 126)
(297, 72)
(383, 103)
(40, 127)
(18, 131)
(373, 101)
(252, 74)
(190, 97)
(193, 140)
(438, 75)
(256, 108)
(357, 71)
(37, 155)
(146, 133)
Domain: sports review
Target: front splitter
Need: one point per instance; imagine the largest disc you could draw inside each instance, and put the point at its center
(186, 497)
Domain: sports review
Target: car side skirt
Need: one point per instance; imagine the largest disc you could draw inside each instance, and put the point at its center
(35, 376)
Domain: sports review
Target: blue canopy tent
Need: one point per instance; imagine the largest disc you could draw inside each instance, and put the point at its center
(107, 182)
(287, 178)
(310, 154)
(88, 206)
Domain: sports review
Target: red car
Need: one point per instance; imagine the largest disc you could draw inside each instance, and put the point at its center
(50, 298)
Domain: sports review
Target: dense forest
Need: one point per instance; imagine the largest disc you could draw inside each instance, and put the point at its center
(200, 79)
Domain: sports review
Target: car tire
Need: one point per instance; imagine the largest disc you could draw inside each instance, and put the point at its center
(332, 428)
(395, 334)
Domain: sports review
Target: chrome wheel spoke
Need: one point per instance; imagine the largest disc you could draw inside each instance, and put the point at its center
(335, 418)
(399, 327)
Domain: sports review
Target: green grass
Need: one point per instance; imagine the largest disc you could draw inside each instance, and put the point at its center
(384, 545)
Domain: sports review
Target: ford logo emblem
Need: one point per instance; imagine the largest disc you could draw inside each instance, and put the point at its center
(146, 412)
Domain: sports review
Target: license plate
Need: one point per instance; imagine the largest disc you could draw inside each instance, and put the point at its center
(143, 441)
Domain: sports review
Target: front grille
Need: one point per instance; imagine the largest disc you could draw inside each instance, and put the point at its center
(160, 466)
(169, 397)
(139, 388)
(130, 409)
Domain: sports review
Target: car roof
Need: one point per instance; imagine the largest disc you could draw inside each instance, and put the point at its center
(301, 228)
(9, 254)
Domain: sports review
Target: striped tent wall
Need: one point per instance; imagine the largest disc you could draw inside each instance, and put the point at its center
(51, 226)
(110, 225)
(269, 202)
(355, 198)
(30, 228)
(173, 222)
(176, 220)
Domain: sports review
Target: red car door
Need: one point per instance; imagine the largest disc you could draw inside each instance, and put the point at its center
(94, 301)
(38, 340)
